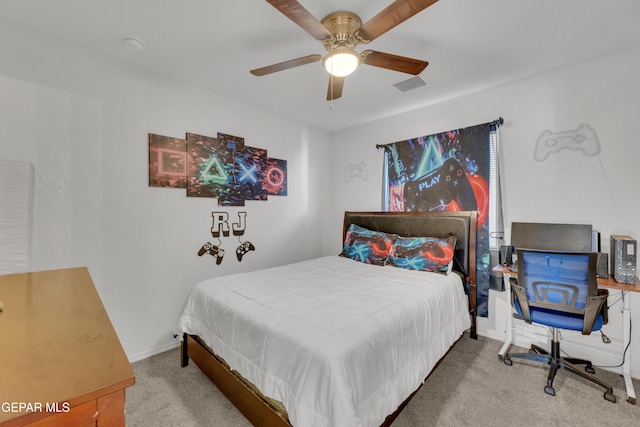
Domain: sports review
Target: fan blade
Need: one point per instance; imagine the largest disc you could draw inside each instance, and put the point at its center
(335, 87)
(393, 62)
(393, 15)
(281, 66)
(301, 16)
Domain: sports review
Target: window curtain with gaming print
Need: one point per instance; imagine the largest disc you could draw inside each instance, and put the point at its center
(447, 171)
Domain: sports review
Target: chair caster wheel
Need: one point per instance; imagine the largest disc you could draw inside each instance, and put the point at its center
(550, 391)
(590, 369)
(610, 397)
(508, 362)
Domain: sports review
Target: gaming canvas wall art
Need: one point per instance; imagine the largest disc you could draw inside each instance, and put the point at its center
(207, 173)
(275, 177)
(251, 167)
(221, 167)
(167, 162)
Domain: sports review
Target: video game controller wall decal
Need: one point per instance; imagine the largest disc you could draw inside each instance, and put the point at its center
(223, 226)
(358, 170)
(243, 249)
(213, 250)
(583, 139)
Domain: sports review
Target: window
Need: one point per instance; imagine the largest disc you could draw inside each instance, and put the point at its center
(496, 226)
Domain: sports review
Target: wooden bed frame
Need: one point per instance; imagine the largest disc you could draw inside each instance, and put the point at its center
(250, 402)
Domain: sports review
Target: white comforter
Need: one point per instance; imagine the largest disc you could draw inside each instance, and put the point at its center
(339, 342)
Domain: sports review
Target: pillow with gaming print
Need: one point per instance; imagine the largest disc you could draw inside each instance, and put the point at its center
(368, 246)
(424, 253)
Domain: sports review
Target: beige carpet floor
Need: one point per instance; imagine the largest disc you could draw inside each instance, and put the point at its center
(471, 387)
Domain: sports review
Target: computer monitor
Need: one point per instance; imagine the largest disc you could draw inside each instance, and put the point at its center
(559, 237)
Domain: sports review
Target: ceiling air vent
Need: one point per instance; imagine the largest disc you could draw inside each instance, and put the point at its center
(411, 84)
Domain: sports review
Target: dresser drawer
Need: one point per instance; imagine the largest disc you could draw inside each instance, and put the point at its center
(84, 415)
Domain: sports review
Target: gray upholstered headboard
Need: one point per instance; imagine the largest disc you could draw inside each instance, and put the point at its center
(425, 224)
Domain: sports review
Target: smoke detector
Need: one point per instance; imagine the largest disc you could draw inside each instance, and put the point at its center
(133, 43)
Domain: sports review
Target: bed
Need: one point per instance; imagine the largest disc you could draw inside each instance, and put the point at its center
(334, 341)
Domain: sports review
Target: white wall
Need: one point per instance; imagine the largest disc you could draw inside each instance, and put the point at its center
(36, 126)
(569, 187)
(83, 121)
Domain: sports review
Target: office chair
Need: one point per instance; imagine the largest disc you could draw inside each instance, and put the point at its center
(559, 290)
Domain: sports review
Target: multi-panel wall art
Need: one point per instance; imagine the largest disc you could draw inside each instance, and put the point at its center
(167, 162)
(222, 167)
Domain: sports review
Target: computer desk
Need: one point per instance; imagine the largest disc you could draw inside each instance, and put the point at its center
(609, 283)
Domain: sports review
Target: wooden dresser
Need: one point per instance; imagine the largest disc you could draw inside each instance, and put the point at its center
(61, 362)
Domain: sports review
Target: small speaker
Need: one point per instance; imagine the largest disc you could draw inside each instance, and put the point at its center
(505, 254)
(602, 268)
(623, 259)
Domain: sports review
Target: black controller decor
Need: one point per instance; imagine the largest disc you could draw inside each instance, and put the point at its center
(445, 189)
(243, 249)
(213, 250)
(222, 226)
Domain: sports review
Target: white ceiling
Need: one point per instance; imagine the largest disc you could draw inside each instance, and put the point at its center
(470, 44)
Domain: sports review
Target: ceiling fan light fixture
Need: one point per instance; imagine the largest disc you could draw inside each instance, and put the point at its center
(341, 63)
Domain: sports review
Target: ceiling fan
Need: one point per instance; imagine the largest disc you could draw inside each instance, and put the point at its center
(341, 33)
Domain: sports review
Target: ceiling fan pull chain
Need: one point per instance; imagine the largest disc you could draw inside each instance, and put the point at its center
(331, 86)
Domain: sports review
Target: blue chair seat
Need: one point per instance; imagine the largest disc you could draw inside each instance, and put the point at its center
(559, 320)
